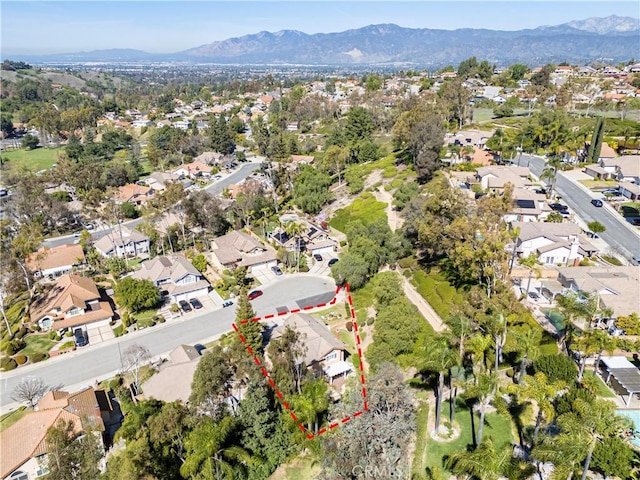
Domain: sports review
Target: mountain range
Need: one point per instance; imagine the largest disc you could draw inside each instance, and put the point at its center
(609, 39)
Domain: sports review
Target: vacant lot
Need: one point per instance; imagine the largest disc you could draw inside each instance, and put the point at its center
(34, 160)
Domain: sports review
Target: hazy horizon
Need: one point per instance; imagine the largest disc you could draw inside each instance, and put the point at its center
(39, 28)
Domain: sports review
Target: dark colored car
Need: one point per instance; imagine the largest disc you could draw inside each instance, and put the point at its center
(596, 202)
(558, 207)
(318, 257)
(541, 191)
(254, 294)
(275, 269)
(227, 303)
(184, 305)
(195, 303)
(333, 261)
(80, 337)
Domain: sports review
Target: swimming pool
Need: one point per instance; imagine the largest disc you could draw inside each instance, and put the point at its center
(634, 415)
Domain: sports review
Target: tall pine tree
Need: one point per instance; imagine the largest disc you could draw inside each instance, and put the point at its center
(222, 140)
(251, 331)
(593, 153)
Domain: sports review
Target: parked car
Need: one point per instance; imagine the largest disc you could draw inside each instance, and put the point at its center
(558, 207)
(318, 257)
(254, 294)
(184, 305)
(596, 202)
(333, 261)
(635, 221)
(227, 303)
(276, 269)
(80, 337)
(534, 296)
(565, 213)
(611, 191)
(195, 303)
(540, 191)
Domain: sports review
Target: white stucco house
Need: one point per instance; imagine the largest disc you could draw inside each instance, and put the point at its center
(175, 275)
(123, 241)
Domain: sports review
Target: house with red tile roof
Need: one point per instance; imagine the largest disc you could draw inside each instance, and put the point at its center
(24, 445)
(73, 301)
(133, 193)
(193, 170)
(55, 261)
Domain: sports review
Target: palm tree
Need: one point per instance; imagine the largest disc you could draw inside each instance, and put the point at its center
(531, 262)
(538, 389)
(439, 357)
(295, 230)
(484, 463)
(313, 403)
(483, 391)
(208, 447)
(496, 327)
(477, 346)
(591, 422)
(550, 173)
(594, 342)
(528, 342)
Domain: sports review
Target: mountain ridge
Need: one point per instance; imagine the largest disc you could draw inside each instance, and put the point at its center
(610, 38)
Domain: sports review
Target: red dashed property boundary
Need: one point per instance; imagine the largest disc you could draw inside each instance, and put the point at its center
(266, 375)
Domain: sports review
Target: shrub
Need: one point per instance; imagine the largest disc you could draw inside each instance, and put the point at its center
(20, 359)
(53, 334)
(159, 319)
(349, 326)
(35, 328)
(115, 383)
(68, 333)
(118, 331)
(343, 243)
(371, 320)
(556, 367)
(14, 346)
(7, 364)
(66, 345)
(38, 357)
(22, 331)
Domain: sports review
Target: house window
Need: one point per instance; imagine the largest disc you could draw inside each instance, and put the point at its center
(74, 312)
(548, 260)
(332, 356)
(46, 323)
(19, 476)
(43, 469)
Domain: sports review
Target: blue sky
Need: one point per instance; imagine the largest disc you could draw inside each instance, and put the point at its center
(170, 26)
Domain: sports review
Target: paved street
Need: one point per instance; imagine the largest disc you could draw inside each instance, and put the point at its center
(619, 235)
(216, 188)
(84, 366)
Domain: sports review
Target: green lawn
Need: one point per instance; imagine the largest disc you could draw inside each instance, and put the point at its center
(347, 339)
(436, 290)
(35, 160)
(599, 183)
(496, 426)
(419, 455)
(364, 208)
(144, 318)
(603, 390)
(37, 344)
(10, 418)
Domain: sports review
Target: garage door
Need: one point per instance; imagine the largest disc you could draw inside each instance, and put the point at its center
(323, 250)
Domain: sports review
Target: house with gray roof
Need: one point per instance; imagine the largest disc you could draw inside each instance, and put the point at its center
(324, 353)
(173, 380)
(616, 287)
(495, 177)
(122, 241)
(174, 275)
(239, 249)
(552, 243)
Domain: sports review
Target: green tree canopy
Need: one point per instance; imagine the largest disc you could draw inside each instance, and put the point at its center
(136, 295)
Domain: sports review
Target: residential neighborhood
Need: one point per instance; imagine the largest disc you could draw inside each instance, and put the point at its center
(245, 271)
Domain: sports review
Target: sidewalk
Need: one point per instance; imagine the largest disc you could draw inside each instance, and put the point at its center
(424, 308)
